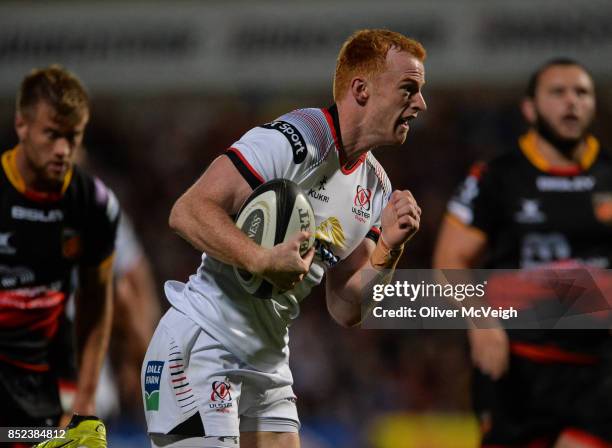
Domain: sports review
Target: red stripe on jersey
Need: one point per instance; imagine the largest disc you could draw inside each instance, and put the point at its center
(332, 127)
(565, 171)
(25, 365)
(549, 354)
(67, 385)
(584, 438)
(247, 164)
(36, 313)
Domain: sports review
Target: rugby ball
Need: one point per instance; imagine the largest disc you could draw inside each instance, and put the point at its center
(272, 214)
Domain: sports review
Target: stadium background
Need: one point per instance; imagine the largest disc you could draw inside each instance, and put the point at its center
(174, 83)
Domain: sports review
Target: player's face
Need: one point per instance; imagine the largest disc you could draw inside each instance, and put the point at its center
(49, 142)
(565, 101)
(396, 97)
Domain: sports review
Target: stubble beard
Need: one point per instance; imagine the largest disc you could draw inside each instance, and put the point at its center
(565, 146)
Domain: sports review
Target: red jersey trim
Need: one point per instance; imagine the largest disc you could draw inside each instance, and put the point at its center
(550, 354)
(585, 439)
(342, 157)
(25, 365)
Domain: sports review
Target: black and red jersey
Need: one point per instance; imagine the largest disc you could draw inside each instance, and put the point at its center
(536, 216)
(43, 239)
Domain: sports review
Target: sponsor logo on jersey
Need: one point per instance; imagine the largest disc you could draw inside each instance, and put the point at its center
(152, 382)
(602, 207)
(220, 395)
(330, 231)
(362, 202)
(543, 248)
(11, 277)
(293, 136)
(32, 214)
(316, 192)
(530, 212)
(5, 244)
(555, 183)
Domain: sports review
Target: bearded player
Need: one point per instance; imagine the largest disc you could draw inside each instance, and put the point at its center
(548, 204)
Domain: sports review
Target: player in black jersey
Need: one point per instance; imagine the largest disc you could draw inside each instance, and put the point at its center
(54, 218)
(548, 203)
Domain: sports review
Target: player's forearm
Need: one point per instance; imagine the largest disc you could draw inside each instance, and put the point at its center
(349, 299)
(93, 332)
(208, 228)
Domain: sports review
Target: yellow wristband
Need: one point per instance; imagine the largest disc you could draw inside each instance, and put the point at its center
(384, 257)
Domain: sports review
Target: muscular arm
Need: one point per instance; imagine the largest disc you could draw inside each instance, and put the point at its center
(458, 246)
(345, 283)
(93, 325)
(461, 247)
(202, 217)
(137, 311)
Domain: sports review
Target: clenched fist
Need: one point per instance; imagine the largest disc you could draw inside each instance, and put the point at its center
(400, 218)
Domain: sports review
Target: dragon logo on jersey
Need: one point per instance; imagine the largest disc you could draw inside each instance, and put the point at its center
(602, 206)
(152, 379)
(293, 136)
(71, 243)
(330, 231)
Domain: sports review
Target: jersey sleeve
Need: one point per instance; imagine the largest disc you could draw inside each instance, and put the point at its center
(127, 247)
(474, 201)
(272, 151)
(102, 223)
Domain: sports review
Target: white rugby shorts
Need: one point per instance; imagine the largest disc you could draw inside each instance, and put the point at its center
(186, 372)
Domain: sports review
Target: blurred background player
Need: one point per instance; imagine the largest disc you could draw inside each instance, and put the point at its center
(544, 205)
(136, 311)
(135, 314)
(217, 368)
(55, 218)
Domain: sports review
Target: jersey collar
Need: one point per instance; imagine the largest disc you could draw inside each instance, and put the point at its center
(528, 145)
(331, 115)
(9, 165)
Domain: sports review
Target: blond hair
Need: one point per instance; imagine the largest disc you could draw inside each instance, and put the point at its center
(58, 87)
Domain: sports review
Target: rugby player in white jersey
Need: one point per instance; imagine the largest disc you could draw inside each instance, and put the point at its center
(216, 373)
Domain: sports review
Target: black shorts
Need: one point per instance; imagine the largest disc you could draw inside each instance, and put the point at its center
(28, 398)
(538, 402)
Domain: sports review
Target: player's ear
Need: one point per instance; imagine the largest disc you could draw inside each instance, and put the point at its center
(21, 125)
(360, 90)
(528, 110)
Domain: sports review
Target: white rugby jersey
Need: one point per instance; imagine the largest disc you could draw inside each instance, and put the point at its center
(303, 146)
